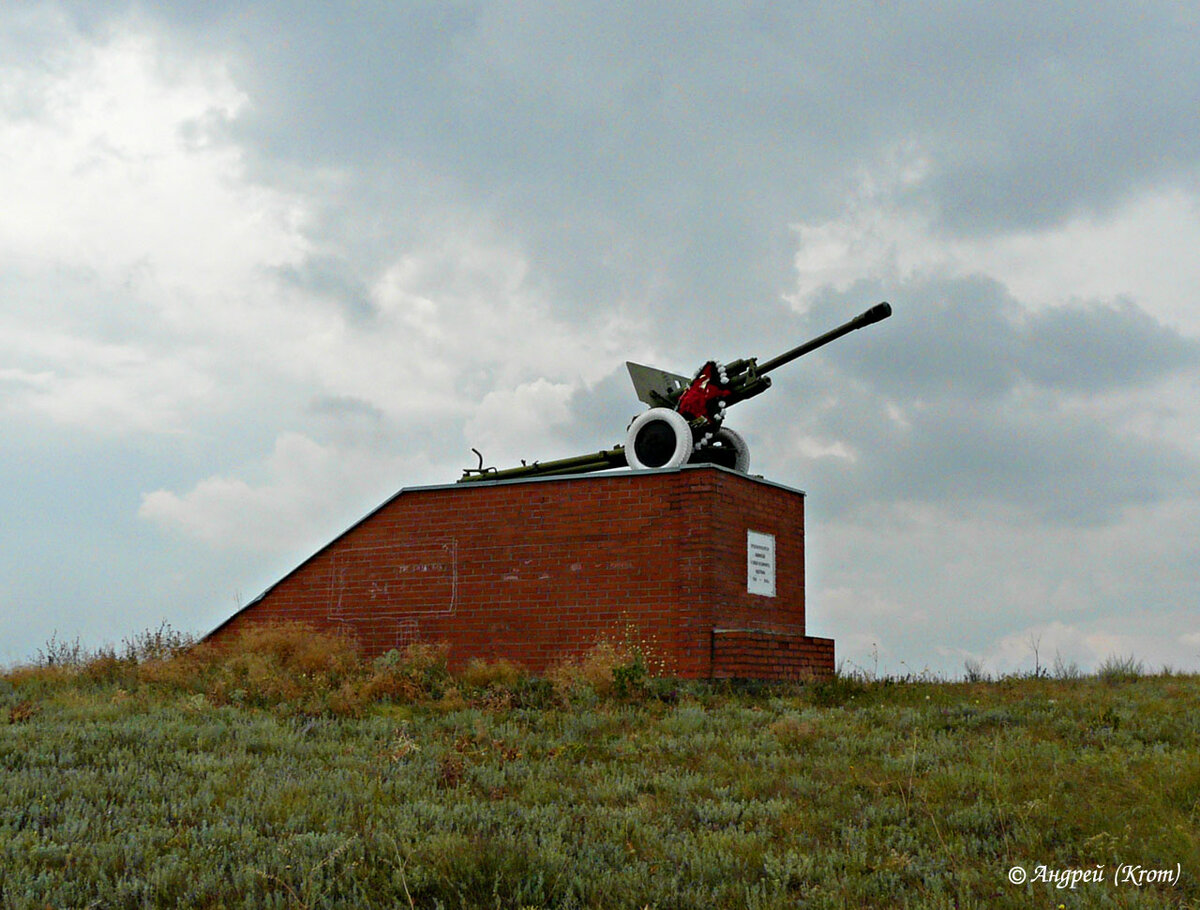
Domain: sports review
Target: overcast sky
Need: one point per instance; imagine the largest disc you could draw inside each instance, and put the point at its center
(263, 264)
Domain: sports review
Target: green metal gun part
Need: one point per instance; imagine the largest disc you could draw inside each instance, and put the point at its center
(685, 422)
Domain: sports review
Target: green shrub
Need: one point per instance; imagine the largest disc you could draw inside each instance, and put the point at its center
(1115, 668)
(607, 670)
(419, 672)
(59, 653)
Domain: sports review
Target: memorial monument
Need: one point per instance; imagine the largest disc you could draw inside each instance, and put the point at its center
(687, 555)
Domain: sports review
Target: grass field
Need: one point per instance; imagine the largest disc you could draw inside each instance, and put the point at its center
(289, 773)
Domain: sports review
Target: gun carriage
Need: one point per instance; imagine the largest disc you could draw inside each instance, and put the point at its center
(685, 420)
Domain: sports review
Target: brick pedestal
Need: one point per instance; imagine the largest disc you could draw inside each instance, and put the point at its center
(539, 570)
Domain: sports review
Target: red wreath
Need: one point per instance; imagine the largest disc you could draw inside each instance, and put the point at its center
(701, 399)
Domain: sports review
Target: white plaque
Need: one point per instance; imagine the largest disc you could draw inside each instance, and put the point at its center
(760, 563)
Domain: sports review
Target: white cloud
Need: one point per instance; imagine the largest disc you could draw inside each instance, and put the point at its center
(509, 424)
(471, 300)
(872, 237)
(1087, 646)
(930, 579)
(100, 386)
(1035, 647)
(812, 447)
(309, 488)
(1142, 250)
(122, 172)
(454, 324)
(130, 238)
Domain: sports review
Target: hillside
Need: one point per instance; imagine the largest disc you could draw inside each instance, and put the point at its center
(289, 773)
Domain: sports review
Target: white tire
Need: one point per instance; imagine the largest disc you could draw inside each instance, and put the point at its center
(658, 438)
(730, 439)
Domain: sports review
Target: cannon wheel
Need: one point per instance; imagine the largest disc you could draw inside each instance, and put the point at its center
(727, 449)
(729, 439)
(658, 438)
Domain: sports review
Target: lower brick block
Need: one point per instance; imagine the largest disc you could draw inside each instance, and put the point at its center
(753, 653)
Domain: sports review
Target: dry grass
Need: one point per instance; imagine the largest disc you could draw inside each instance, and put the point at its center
(500, 674)
(594, 670)
(296, 666)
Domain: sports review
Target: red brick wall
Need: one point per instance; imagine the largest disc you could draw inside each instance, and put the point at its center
(757, 654)
(537, 571)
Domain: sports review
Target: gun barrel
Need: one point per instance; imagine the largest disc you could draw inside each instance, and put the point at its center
(579, 464)
(877, 313)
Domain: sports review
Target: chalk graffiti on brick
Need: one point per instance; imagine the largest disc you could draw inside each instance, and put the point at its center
(372, 583)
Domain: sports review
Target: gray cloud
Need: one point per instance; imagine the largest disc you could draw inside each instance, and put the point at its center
(1101, 348)
(976, 382)
(663, 122)
(970, 337)
(345, 407)
(332, 278)
(645, 156)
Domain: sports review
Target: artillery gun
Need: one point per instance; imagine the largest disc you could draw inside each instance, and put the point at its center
(685, 422)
